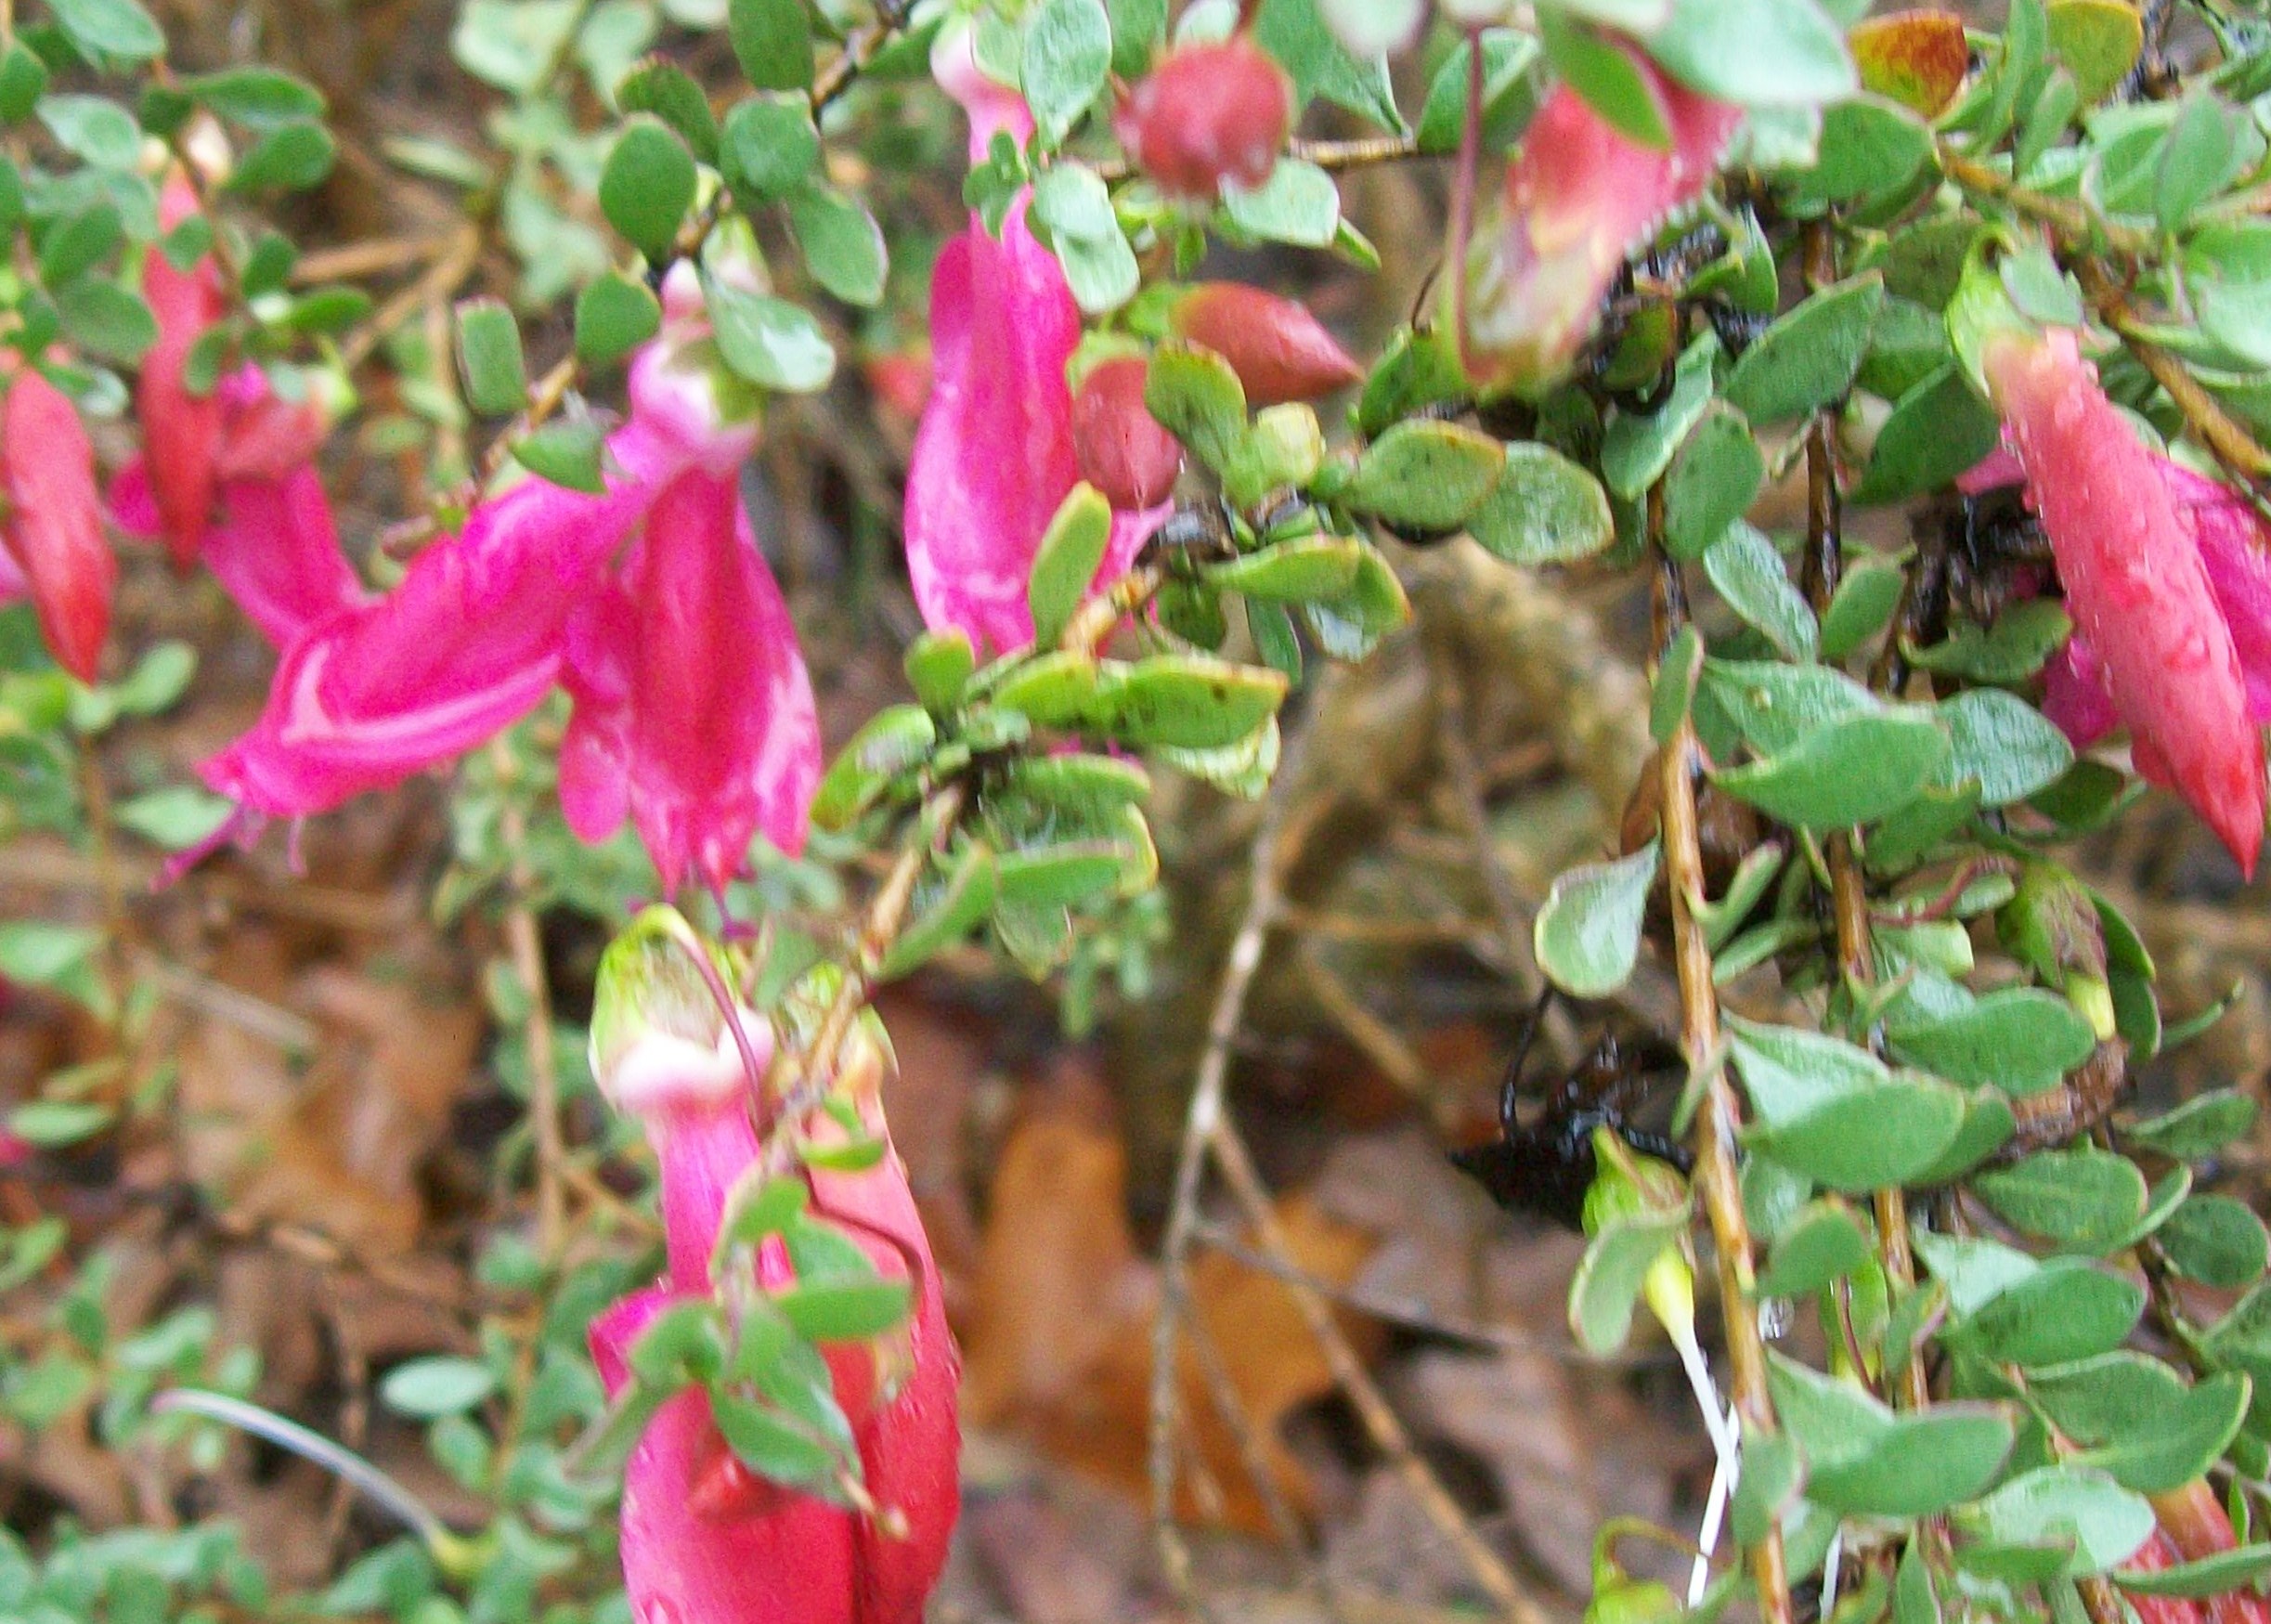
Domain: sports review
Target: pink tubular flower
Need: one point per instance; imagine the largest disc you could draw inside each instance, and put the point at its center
(993, 455)
(2149, 607)
(181, 431)
(52, 531)
(705, 1540)
(694, 713)
(1579, 197)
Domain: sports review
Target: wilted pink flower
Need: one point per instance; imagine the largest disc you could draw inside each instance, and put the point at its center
(1214, 111)
(993, 455)
(52, 529)
(180, 431)
(706, 1540)
(694, 713)
(2155, 617)
(1579, 197)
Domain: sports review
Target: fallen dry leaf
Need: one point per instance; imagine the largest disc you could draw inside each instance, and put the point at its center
(1058, 1349)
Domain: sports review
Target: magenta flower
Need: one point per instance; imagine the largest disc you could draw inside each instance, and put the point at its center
(695, 715)
(2166, 580)
(994, 456)
(1579, 197)
(705, 1540)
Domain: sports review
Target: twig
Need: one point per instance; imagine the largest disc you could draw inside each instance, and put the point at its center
(2070, 219)
(1381, 1044)
(2216, 429)
(1716, 1122)
(528, 948)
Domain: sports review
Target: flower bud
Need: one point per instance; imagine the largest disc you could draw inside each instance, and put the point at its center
(1208, 114)
(53, 529)
(1277, 349)
(659, 1042)
(1120, 447)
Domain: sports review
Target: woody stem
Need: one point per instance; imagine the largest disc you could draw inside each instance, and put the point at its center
(1715, 1178)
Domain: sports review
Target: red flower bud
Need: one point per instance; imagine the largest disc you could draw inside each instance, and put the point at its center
(1206, 114)
(1277, 349)
(2136, 583)
(2194, 1522)
(54, 525)
(1120, 445)
(2150, 1557)
(181, 431)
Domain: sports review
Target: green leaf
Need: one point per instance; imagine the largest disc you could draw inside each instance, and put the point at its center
(844, 1310)
(256, 97)
(50, 1124)
(1425, 477)
(1861, 606)
(939, 665)
(1636, 449)
(1350, 627)
(438, 1384)
(1868, 145)
(1073, 208)
(77, 244)
(842, 244)
(1607, 1283)
(1674, 692)
(1823, 1241)
(1833, 1112)
(110, 28)
(647, 185)
(2195, 159)
(1196, 397)
(1191, 701)
(2138, 1421)
(773, 1447)
(896, 739)
(2216, 1241)
(1757, 53)
(1511, 89)
(1712, 481)
(1543, 510)
(1067, 559)
(1749, 574)
(1988, 1127)
(2082, 1199)
(615, 314)
(1068, 54)
(1300, 204)
(23, 80)
(2021, 1040)
(770, 145)
(1588, 935)
(947, 916)
(1851, 771)
(94, 128)
(566, 452)
(2198, 1127)
(2011, 650)
(2076, 1507)
(1309, 566)
(1935, 432)
(176, 817)
(490, 359)
(1292, 31)
(1609, 82)
(1920, 1465)
(105, 320)
(2209, 1576)
(672, 95)
(773, 41)
(1766, 1491)
(2066, 1309)
(2099, 41)
(769, 341)
(1777, 706)
(1810, 356)
(1058, 876)
(292, 157)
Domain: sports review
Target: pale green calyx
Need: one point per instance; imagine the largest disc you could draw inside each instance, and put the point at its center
(659, 1036)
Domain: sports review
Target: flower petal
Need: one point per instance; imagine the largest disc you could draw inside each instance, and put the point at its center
(181, 431)
(993, 456)
(277, 552)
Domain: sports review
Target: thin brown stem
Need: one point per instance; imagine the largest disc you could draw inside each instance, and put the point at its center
(2070, 219)
(2240, 453)
(1718, 1118)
